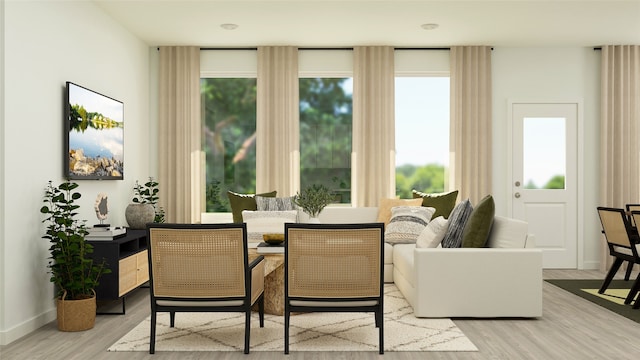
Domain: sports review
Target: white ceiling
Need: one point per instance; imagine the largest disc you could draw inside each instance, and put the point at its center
(365, 22)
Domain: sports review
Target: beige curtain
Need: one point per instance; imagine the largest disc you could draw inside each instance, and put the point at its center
(179, 149)
(620, 121)
(373, 148)
(470, 165)
(277, 123)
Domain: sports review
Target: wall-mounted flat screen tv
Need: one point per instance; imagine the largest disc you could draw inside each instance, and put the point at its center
(94, 135)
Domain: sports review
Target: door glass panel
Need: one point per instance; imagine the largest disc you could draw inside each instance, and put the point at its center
(544, 153)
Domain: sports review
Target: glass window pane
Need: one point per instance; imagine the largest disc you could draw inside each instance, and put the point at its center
(544, 153)
(325, 134)
(229, 130)
(422, 134)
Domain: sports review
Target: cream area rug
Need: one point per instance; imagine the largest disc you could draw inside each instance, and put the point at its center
(308, 332)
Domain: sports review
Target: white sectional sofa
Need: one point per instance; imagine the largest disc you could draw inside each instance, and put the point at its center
(501, 280)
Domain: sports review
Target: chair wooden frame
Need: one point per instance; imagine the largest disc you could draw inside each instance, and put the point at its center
(623, 242)
(334, 268)
(630, 208)
(203, 268)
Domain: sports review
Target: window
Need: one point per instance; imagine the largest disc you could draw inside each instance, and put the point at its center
(229, 136)
(325, 134)
(422, 134)
(544, 139)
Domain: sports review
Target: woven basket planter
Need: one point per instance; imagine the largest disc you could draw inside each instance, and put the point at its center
(76, 315)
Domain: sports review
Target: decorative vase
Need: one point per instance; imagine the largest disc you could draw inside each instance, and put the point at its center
(314, 220)
(76, 315)
(138, 215)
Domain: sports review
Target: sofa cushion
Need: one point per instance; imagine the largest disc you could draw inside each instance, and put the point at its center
(403, 261)
(476, 231)
(508, 233)
(384, 208)
(241, 202)
(388, 253)
(443, 202)
(432, 235)
(407, 222)
(265, 203)
(457, 222)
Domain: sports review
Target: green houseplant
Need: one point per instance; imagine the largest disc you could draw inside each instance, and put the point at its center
(313, 199)
(144, 207)
(73, 271)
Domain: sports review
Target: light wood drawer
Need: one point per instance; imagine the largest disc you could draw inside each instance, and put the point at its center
(128, 274)
(143, 267)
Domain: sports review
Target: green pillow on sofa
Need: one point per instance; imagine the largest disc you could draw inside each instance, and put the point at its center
(442, 202)
(476, 231)
(241, 202)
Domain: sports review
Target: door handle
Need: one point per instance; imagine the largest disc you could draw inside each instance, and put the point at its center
(517, 195)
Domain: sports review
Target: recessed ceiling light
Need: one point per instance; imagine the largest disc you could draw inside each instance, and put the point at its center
(429, 26)
(229, 26)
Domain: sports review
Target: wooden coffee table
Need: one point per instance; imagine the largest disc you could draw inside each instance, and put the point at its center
(273, 282)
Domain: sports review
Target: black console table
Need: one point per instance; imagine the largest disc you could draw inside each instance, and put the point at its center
(127, 258)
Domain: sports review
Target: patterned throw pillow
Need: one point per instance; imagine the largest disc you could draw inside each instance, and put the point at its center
(433, 233)
(406, 224)
(457, 221)
(267, 222)
(275, 203)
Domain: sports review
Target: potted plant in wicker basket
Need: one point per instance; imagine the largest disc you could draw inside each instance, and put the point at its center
(72, 270)
(313, 199)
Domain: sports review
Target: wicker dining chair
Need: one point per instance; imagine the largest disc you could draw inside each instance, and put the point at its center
(630, 208)
(203, 268)
(334, 268)
(623, 242)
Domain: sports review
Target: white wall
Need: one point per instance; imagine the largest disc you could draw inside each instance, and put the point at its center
(46, 44)
(552, 74)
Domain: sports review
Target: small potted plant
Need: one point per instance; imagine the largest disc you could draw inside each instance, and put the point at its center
(144, 208)
(72, 270)
(313, 199)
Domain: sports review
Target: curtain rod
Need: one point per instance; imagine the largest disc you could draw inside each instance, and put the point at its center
(326, 48)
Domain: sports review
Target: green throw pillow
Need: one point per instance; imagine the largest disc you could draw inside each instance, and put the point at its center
(476, 231)
(241, 202)
(442, 202)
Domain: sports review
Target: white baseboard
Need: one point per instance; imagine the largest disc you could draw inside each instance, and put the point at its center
(27, 327)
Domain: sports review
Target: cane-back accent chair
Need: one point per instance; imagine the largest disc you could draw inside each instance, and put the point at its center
(623, 242)
(630, 208)
(203, 268)
(334, 268)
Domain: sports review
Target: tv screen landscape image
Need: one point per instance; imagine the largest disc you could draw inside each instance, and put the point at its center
(94, 135)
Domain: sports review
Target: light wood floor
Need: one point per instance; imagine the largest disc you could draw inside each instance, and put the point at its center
(570, 328)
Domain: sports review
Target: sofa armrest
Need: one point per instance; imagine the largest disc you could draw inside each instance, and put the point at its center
(483, 282)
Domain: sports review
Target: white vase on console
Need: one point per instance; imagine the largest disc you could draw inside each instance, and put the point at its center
(314, 220)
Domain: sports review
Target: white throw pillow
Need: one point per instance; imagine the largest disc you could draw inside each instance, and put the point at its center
(433, 233)
(508, 233)
(407, 222)
(267, 222)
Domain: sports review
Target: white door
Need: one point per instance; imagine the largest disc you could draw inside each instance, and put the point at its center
(544, 183)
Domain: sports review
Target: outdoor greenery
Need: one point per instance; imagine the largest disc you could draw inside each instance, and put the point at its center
(71, 267)
(325, 141)
(556, 182)
(148, 194)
